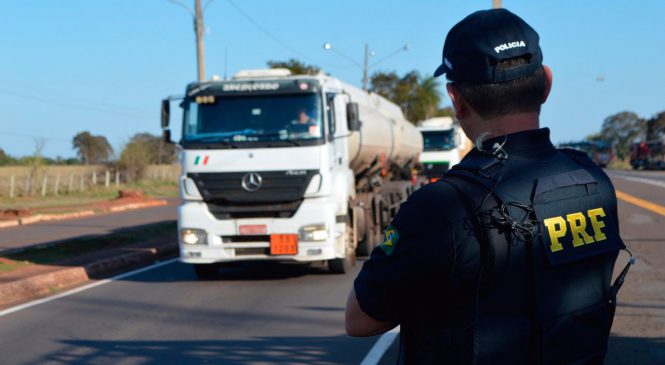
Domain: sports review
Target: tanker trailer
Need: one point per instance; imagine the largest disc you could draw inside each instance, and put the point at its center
(288, 168)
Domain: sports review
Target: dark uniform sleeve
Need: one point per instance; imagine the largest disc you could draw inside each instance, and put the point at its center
(416, 256)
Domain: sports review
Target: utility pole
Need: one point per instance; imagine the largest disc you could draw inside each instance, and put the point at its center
(198, 28)
(365, 68)
(496, 4)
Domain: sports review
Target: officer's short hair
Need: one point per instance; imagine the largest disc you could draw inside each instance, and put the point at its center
(522, 95)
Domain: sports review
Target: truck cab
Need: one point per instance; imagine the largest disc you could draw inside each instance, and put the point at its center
(271, 170)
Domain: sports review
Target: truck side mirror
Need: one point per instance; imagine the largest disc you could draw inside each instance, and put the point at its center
(352, 119)
(166, 113)
(166, 136)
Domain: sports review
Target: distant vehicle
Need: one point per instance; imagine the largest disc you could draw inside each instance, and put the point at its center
(444, 146)
(288, 167)
(599, 152)
(647, 155)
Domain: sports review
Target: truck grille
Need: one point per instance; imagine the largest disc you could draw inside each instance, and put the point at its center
(278, 196)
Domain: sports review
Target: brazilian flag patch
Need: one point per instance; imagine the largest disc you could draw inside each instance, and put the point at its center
(389, 240)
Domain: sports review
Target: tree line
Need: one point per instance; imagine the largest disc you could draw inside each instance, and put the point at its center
(623, 129)
(418, 95)
(141, 150)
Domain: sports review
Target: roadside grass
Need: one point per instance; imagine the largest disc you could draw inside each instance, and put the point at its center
(618, 164)
(77, 247)
(7, 265)
(152, 188)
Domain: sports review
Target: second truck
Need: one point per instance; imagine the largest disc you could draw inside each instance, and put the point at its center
(290, 168)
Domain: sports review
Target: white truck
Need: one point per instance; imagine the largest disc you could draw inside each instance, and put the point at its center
(444, 146)
(289, 168)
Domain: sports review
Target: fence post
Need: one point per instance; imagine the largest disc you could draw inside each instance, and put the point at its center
(12, 182)
(82, 182)
(44, 183)
(70, 187)
(56, 189)
(27, 186)
(94, 177)
(117, 178)
(107, 182)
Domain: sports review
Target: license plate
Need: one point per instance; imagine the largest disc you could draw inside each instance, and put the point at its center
(283, 244)
(252, 229)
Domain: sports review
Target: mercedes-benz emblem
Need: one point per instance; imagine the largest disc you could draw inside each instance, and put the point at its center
(252, 182)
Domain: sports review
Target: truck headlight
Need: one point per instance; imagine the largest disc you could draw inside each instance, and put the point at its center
(193, 236)
(315, 232)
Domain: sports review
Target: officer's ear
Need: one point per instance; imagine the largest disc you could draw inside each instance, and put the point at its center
(548, 81)
(460, 106)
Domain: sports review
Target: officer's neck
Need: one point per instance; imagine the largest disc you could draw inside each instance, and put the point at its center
(505, 124)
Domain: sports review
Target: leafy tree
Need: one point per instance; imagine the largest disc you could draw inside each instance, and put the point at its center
(296, 67)
(656, 127)
(142, 150)
(92, 149)
(418, 96)
(5, 159)
(160, 152)
(135, 158)
(446, 111)
(621, 129)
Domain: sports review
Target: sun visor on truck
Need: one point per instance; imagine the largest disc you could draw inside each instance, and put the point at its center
(254, 87)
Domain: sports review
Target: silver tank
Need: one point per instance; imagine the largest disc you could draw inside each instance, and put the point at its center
(385, 134)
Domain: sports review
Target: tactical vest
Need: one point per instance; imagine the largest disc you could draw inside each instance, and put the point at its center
(549, 239)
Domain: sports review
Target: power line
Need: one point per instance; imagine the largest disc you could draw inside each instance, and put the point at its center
(267, 32)
(98, 108)
(53, 95)
(20, 135)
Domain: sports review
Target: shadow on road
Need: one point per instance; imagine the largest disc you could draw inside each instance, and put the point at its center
(236, 271)
(634, 350)
(262, 350)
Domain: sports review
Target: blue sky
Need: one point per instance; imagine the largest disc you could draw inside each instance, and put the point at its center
(104, 65)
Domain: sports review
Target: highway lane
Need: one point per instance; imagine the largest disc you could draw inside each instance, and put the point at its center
(48, 232)
(285, 314)
(638, 332)
(260, 314)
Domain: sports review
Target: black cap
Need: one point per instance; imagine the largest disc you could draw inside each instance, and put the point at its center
(475, 45)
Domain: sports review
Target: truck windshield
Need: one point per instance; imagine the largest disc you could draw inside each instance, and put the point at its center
(251, 121)
(438, 140)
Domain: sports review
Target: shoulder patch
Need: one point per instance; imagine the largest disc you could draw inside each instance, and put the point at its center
(389, 240)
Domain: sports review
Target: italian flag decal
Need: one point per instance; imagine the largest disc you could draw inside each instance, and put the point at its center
(198, 159)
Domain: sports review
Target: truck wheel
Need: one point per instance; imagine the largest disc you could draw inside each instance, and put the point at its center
(206, 271)
(364, 248)
(342, 265)
(339, 266)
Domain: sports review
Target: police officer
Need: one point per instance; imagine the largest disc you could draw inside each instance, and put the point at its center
(508, 258)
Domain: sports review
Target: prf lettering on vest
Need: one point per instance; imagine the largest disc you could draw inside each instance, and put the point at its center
(557, 228)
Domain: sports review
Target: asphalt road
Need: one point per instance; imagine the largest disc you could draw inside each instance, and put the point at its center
(257, 315)
(266, 314)
(50, 232)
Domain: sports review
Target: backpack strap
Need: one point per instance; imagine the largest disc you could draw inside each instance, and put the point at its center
(484, 209)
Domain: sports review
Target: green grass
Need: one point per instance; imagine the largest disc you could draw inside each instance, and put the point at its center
(10, 265)
(618, 164)
(77, 247)
(155, 189)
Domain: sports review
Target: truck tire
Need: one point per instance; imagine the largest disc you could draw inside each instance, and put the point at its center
(339, 266)
(342, 265)
(206, 271)
(367, 244)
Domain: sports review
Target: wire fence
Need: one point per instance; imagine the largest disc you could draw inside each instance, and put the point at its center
(21, 181)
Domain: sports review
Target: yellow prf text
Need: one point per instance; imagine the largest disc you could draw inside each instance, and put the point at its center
(573, 227)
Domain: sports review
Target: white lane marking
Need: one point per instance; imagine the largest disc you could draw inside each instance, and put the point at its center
(380, 347)
(83, 288)
(640, 179)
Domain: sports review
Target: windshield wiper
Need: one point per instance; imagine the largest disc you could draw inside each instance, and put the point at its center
(212, 142)
(288, 140)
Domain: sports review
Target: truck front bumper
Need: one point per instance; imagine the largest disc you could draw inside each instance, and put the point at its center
(225, 241)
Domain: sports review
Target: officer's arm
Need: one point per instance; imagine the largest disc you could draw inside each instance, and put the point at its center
(358, 323)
